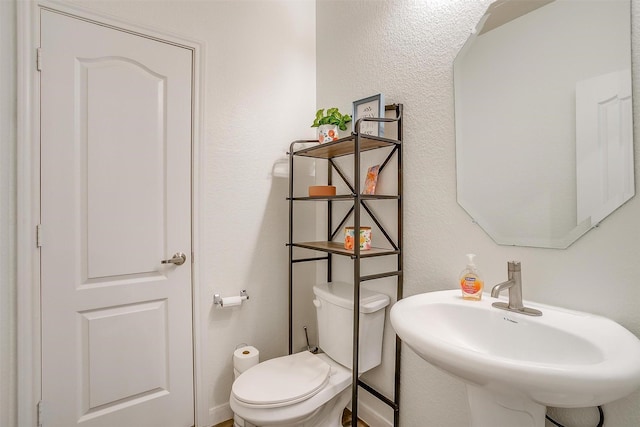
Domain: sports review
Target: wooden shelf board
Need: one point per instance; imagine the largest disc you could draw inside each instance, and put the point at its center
(347, 197)
(338, 248)
(345, 146)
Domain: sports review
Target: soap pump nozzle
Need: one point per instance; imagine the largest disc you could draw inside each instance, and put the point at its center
(471, 264)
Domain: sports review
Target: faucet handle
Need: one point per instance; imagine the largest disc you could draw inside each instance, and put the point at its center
(513, 266)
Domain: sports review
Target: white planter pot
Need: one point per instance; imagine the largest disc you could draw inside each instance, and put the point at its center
(327, 133)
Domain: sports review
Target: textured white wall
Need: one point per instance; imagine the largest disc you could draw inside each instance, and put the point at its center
(405, 49)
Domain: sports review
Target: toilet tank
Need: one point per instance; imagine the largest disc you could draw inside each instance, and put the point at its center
(334, 307)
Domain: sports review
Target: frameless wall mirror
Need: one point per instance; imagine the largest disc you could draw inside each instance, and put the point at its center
(544, 143)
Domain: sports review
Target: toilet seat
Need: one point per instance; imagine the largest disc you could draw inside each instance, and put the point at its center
(282, 381)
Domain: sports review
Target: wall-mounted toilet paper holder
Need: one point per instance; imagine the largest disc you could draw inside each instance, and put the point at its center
(220, 301)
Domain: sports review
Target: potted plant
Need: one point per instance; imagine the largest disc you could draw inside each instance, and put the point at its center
(329, 123)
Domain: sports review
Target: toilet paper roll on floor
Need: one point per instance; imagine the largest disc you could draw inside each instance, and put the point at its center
(244, 358)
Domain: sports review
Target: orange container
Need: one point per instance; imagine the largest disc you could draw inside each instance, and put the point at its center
(322, 190)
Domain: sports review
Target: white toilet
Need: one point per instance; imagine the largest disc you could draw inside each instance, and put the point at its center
(309, 390)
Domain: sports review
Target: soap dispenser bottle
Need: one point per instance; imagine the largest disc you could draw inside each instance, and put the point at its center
(470, 282)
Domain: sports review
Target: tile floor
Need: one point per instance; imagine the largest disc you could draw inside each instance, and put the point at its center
(346, 421)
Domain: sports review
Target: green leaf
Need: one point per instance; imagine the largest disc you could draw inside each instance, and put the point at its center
(331, 117)
(316, 121)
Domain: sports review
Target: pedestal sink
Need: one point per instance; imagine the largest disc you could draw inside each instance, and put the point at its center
(516, 365)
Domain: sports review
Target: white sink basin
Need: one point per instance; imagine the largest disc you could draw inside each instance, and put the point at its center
(563, 358)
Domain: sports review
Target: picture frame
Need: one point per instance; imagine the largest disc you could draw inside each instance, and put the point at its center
(372, 106)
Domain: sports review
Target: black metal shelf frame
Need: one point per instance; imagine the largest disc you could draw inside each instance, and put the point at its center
(353, 145)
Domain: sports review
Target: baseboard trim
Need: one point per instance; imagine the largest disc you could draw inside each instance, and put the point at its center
(219, 414)
(370, 416)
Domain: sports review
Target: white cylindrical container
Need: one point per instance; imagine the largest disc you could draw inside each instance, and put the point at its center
(327, 133)
(364, 239)
(244, 358)
(231, 301)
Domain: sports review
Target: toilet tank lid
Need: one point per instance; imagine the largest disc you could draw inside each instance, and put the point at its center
(341, 294)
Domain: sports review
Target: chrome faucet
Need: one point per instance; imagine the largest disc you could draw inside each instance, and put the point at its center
(514, 285)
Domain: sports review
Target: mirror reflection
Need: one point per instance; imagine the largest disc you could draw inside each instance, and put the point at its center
(544, 144)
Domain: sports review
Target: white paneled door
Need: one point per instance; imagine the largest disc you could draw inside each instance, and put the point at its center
(604, 145)
(116, 131)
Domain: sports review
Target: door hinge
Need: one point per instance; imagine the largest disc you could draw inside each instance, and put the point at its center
(39, 59)
(39, 413)
(39, 235)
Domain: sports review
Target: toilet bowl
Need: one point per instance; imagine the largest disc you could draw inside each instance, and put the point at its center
(309, 390)
(301, 389)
